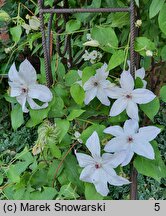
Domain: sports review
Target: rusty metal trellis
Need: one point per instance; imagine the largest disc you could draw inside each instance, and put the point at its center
(46, 38)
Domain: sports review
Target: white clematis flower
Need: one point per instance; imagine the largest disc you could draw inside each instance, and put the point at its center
(128, 97)
(131, 139)
(97, 86)
(24, 87)
(99, 169)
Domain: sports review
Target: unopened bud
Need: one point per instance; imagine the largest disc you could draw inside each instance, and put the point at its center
(138, 23)
(149, 53)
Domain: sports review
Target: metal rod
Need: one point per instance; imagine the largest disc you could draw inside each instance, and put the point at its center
(49, 77)
(132, 38)
(133, 171)
(84, 10)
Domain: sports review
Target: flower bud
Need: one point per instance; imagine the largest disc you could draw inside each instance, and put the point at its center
(138, 23)
(149, 53)
(92, 43)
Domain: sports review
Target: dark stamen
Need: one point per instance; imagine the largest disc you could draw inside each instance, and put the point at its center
(129, 96)
(130, 139)
(95, 84)
(24, 90)
(97, 166)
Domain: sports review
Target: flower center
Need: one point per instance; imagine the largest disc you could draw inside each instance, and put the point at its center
(96, 84)
(130, 139)
(97, 166)
(128, 96)
(24, 90)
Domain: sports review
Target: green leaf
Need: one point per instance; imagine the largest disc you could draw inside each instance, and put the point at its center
(151, 109)
(142, 44)
(48, 194)
(118, 19)
(68, 192)
(4, 17)
(74, 114)
(1, 178)
(116, 59)
(37, 116)
(55, 151)
(163, 53)
(87, 73)
(162, 19)
(73, 25)
(88, 131)
(119, 118)
(25, 155)
(155, 7)
(63, 127)
(138, 83)
(13, 174)
(87, 17)
(17, 118)
(18, 195)
(163, 93)
(106, 37)
(60, 70)
(42, 76)
(91, 193)
(70, 164)
(152, 168)
(77, 93)
(71, 77)
(16, 33)
(56, 107)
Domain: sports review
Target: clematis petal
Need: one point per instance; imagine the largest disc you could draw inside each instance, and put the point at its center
(118, 106)
(131, 127)
(79, 73)
(86, 174)
(102, 188)
(90, 95)
(132, 110)
(93, 144)
(148, 133)
(144, 149)
(105, 84)
(118, 180)
(99, 179)
(115, 92)
(107, 165)
(145, 83)
(101, 95)
(15, 89)
(84, 160)
(102, 72)
(116, 144)
(127, 81)
(142, 96)
(114, 130)
(140, 73)
(22, 101)
(34, 105)
(88, 85)
(27, 72)
(113, 160)
(129, 154)
(40, 92)
(14, 75)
